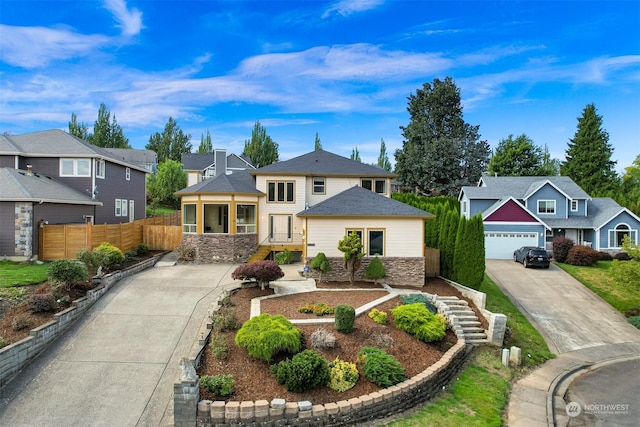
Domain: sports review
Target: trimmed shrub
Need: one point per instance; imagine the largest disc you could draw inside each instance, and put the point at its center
(221, 385)
(142, 249)
(284, 257)
(345, 317)
(582, 255)
(375, 270)
(604, 256)
(304, 371)
(107, 256)
(622, 256)
(40, 303)
(262, 271)
(218, 345)
(21, 322)
(224, 320)
(322, 339)
(382, 340)
(319, 309)
(635, 321)
(320, 263)
(265, 335)
(416, 320)
(342, 375)
(3, 342)
(380, 367)
(414, 298)
(561, 246)
(67, 271)
(378, 316)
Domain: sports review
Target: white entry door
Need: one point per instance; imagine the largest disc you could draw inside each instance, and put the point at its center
(280, 228)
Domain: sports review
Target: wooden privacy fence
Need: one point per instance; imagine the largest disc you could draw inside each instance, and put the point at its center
(162, 237)
(65, 241)
(431, 262)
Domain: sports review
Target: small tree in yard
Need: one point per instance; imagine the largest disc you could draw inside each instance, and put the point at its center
(351, 246)
(561, 246)
(375, 270)
(262, 271)
(320, 263)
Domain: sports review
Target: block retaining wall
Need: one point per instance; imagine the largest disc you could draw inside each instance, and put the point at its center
(189, 411)
(14, 357)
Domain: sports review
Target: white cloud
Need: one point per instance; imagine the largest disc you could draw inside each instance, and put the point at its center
(130, 21)
(349, 7)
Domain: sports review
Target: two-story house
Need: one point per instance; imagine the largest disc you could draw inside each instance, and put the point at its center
(305, 204)
(53, 177)
(531, 211)
(200, 166)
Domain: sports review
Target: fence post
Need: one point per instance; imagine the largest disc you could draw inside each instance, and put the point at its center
(89, 235)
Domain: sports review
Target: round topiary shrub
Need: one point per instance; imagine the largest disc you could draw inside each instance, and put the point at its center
(582, 255)
(380, 367)
(40, 303)
(375, 270)
(345, 317)
(265, 335)
(304, 371)
(342, 375)
(416, 320)
(67, 271)
(107, 256)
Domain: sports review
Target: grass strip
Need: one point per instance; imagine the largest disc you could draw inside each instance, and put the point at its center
(21, 274)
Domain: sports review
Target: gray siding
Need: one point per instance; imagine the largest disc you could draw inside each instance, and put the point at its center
(7, 162)
(548, 192)
(50, 166)
(7, 224)
(115, 186)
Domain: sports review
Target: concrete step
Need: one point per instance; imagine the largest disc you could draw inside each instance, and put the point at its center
(456, 302)
(476, 341)
(470, 323)
(473, 329)
(457, 310)
(475, 335)
(463, 317)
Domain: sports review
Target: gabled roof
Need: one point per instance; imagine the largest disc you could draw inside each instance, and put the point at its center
(521, 187)
(58, 143)
(601, 211)
(135, 156)
(20, 186)
(235, 161)
(197, 161)
(238, 182)
(510, 203)
(322, 163)
(358, 201)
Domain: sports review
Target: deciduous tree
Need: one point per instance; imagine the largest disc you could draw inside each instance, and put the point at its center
(355, 155)
(171, 143)
(517, 156)
(107, 132)
(169, 179)
(383, 158)
(261, 149)
(318, 144)
(205, 147)
(79, 130)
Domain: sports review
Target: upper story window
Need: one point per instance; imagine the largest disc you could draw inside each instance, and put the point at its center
(127, 174)
(574, 205)
(377, 185)
(318, 185)
(281, 191)
(546, 206)
(75, 167)
(100, 169)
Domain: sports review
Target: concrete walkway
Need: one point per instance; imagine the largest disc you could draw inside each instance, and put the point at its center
(583, 330)
(117, 365)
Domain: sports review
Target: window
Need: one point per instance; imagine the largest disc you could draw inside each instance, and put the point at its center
(245, 219)
(75, 167)
(546, 206)
(189, 218)
(121, 207)
(118, 207)
(318, 185)
(280, 192)
(100, 169)
(127, 174)
(376, 242)
(616, 236)
(216, 218)
(574, 205)
(377, 185)
(125, 203)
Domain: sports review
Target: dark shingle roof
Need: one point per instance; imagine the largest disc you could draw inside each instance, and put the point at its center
(197, 161)
(358, 201)
(238, 182)
(320, 162)
(18, 185)
(521, 187)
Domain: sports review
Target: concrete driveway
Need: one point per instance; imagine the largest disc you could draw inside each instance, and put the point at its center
(567, 314)
(117, 365)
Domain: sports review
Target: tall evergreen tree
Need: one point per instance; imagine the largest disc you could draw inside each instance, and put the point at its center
(588, 156)
(517, 156)
(107, 132)
(205, 147)
(460, 252)
(355, 155)
(383, 158)
(448, 233)
(550, 166)
(79, 130)
(318, 144)
(261, 149)
(171, 143)
(440, 152)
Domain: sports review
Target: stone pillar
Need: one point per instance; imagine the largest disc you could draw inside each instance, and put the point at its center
(186, 393)
(497, 327)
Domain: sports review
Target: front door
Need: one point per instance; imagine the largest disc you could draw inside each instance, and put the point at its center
(280, 228)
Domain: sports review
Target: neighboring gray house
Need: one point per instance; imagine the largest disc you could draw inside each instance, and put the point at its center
(53, 177)
(147, 159)
(531, 211)
(205, 166)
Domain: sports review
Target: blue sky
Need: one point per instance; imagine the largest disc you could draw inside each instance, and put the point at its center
(343, 69)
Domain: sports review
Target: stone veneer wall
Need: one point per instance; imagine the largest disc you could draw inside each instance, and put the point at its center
(221, 248)
(400, 270)
(188, 411)
(16, 356)
(23, 229)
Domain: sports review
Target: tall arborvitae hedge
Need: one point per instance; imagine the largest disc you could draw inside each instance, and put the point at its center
(460, 251)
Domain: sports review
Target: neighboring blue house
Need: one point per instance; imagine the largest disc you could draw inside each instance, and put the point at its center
(530, 211)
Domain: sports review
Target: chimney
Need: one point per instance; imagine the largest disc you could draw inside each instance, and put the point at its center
(220, 162)
(29, 171)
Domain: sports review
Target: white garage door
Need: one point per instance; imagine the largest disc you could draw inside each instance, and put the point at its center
(501, 245)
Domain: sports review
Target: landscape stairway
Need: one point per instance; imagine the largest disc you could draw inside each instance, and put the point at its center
(459, 313)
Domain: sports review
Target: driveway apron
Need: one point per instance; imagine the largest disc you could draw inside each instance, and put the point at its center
(117, 365)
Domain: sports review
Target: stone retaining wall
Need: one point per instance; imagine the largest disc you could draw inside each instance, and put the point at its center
(14, 357)
(400, 270)
(189, 411)
(221, 248)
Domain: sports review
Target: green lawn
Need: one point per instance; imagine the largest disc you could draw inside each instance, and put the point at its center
(159, 211)
(20, 274)
(598, 279)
